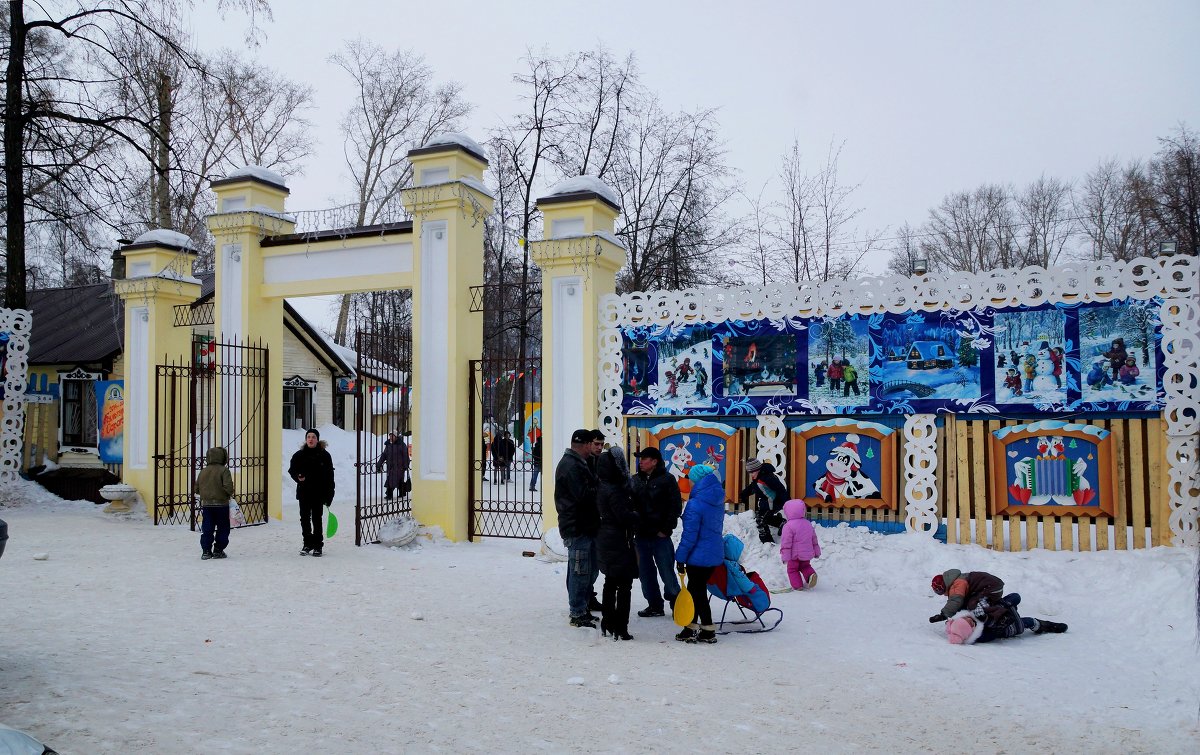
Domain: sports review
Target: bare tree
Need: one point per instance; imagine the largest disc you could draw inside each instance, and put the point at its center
(970, 231)
(62, 100)
(397, 107)
(798, 227)
(905, 251)
(1174, 189)
(762, 258)
(1044, 211)
(1107, 210)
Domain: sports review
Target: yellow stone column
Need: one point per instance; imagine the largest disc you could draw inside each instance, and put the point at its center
(579, 258)
(158, 276)
(250, 206)
(449, 204)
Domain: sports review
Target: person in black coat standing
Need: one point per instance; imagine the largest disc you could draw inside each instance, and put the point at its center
(658, 502)
(395, 459)
(536, 453)
(503, 451)
(578, 523)
(614, 543)
(312, 469)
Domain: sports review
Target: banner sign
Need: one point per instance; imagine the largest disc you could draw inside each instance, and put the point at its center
(110, 418)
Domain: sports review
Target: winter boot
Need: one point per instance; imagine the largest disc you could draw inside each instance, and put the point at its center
(585, 621)
(811, 582)
(647, 613)
(219, 554)
(206, 555)
(306, 551)
(316, 553)
(1049, 627)
(687, 634)
(707, 634)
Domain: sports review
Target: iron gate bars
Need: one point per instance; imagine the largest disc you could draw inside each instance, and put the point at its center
(382, 404)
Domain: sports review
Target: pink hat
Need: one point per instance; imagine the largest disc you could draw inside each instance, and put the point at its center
(959, 630)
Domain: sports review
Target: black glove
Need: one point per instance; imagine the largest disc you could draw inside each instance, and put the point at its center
(936, 618)
(680, 567)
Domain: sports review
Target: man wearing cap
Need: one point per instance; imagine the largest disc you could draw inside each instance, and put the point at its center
(658, 502)
(771, 495)
(578, 522)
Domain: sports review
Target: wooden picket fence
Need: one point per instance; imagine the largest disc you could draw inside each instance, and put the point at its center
(1142, 512)
(964, 492)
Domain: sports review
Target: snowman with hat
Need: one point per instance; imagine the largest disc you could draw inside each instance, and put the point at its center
(843, 476)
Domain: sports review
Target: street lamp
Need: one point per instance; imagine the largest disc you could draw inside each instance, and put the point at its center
(1167, 248)
(920, 266)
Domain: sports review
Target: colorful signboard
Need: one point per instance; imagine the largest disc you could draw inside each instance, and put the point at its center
(844, 463)
(110, 418)
(1053, 467)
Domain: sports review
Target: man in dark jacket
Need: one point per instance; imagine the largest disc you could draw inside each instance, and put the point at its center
(312, 469)
(536, 453)
(578, 523)
(771, 495)
(658, 502)
(503, 451)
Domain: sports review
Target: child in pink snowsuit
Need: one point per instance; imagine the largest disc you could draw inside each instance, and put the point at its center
(798, 545)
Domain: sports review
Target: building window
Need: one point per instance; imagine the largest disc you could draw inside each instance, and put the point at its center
(298, 403)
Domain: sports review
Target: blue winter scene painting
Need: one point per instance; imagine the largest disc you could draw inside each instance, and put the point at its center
(839, 362)
(684, 368)
(1030, 356)
(1118, 352)
(928, 356)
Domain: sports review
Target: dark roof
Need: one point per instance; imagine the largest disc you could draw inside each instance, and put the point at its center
(76, 325)
(577, 196)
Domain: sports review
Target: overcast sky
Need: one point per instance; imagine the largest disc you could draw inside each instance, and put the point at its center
(929, 97)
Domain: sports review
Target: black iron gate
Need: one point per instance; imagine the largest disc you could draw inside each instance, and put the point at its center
(216, 396)
(382, 403)
(505, 421)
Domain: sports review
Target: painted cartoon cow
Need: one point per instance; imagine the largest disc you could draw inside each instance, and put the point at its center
(844, 477)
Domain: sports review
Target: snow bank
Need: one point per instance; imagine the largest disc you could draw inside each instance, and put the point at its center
(586, 184)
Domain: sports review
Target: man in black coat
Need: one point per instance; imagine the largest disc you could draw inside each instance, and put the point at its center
(578, 522)
(312, 469)
(503, 451)
(771, 495)
(658, 502)
(395, 460)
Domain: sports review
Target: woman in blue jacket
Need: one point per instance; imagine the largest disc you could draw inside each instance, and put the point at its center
(700, 549)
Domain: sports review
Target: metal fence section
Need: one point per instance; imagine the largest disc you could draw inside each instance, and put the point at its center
(382, 405)
(216, 396)
(505, 484)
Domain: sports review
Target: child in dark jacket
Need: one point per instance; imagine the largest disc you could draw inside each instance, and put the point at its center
(798, 545)
(977, 611)
(214, 485)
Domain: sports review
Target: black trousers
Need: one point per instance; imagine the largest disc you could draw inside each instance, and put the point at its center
(311, 525)
(697, 585)
(616, 603)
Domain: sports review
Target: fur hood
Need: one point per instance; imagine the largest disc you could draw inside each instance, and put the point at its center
(976, 632)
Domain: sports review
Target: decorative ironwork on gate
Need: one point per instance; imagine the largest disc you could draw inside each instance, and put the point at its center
(505, 484)
(216, 396)
(382, 405)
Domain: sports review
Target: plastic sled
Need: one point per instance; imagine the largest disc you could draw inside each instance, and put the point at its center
(745, 591)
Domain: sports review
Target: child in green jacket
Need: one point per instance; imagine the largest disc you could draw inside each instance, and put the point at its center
(215, 488)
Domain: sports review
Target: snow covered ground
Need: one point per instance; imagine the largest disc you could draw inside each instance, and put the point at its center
(123, 640)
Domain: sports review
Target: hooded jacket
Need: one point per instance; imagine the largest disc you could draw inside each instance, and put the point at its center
(316, 466)
(214, 484)
(798, 538)
(769, 489)
(618, 520)
(703, 522)
(966, 590)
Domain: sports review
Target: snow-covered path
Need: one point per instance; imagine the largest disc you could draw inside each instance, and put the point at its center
(125, 641)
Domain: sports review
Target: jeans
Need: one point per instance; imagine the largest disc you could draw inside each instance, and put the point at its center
(582, 570)
(214, 528)
(656, 554)
(537, 471)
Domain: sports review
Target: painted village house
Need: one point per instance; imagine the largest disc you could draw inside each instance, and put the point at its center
(76, 345)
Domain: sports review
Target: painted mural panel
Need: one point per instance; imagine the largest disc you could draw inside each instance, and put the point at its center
(844, 463)
(1053, 467)
(689, 442)
(928, 357)
(1118, 352)
(839, 362)
(761, 365)
(1031, 357)
(684, 368)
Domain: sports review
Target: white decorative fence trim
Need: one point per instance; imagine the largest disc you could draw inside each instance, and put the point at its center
(18, 323)
(1173, 279)
(772, 443)
(920, 474)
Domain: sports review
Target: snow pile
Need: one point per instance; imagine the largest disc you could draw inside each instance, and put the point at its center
(462, 140)
(166, 238)
(588, 184)
(260, 173)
